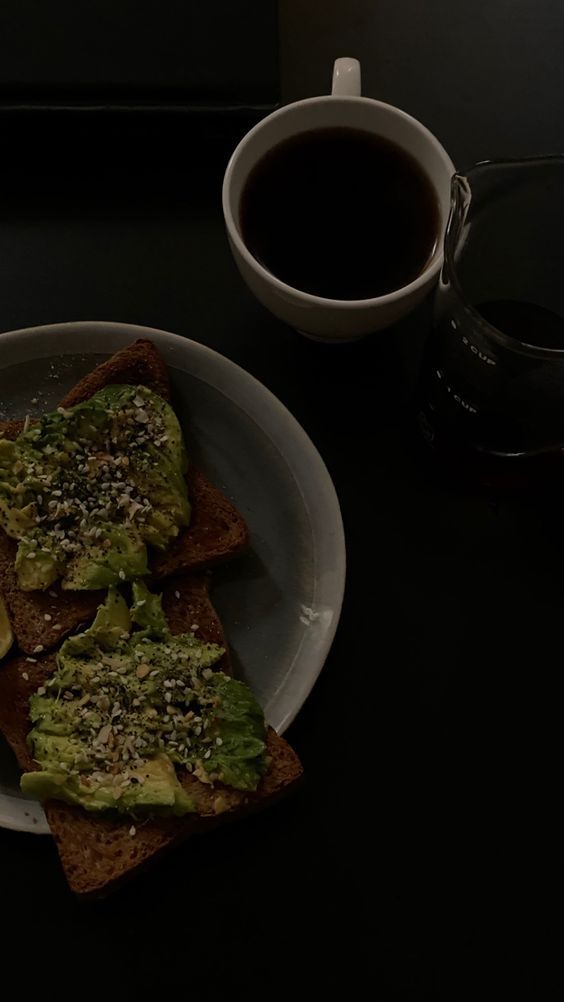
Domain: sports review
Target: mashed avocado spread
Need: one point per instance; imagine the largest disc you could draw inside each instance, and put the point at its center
(130, 707)
(86, 489)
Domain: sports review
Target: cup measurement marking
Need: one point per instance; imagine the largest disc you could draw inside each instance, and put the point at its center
(476, 351)
(456, 396)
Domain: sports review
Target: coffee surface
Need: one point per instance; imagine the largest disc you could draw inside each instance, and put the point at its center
(340, 213)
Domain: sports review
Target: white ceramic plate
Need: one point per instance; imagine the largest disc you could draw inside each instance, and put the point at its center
(251, 447)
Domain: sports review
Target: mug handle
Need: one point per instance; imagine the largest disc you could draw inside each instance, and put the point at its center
(346, 77)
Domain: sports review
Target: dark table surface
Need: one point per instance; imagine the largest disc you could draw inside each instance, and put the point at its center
(421, 860)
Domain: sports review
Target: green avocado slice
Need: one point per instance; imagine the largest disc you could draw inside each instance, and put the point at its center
(87, 489)
(131, 708)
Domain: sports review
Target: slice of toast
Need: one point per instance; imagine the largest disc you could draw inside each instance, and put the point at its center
(217, 531)
(98, 853)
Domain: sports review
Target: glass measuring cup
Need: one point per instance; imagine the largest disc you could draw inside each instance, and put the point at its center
(492, 395)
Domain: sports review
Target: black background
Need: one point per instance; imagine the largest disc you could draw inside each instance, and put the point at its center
(422, 859)
(136, 51)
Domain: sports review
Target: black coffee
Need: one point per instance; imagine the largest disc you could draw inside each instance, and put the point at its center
(340, 213)
(527, 322)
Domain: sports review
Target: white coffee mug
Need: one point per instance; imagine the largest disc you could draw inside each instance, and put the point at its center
(316, 316)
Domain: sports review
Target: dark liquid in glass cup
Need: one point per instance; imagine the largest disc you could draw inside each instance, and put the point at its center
(492, 392)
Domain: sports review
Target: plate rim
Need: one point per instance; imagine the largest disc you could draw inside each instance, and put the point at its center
(274, 413)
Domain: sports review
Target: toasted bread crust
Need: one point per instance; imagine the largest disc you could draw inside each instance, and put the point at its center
(98, 853)
(140, 362)
(217, 532)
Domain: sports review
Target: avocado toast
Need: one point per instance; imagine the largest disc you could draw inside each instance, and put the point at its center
(232, 766)
(132, 733)
(132, 390)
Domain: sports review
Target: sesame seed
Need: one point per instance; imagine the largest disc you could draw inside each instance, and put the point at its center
(41, 691)
(104, 734)
(25, 676)
(47, 617)
(133, 831)
(177, 594)
(122, 574)
(38, 649)
(32, 661)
